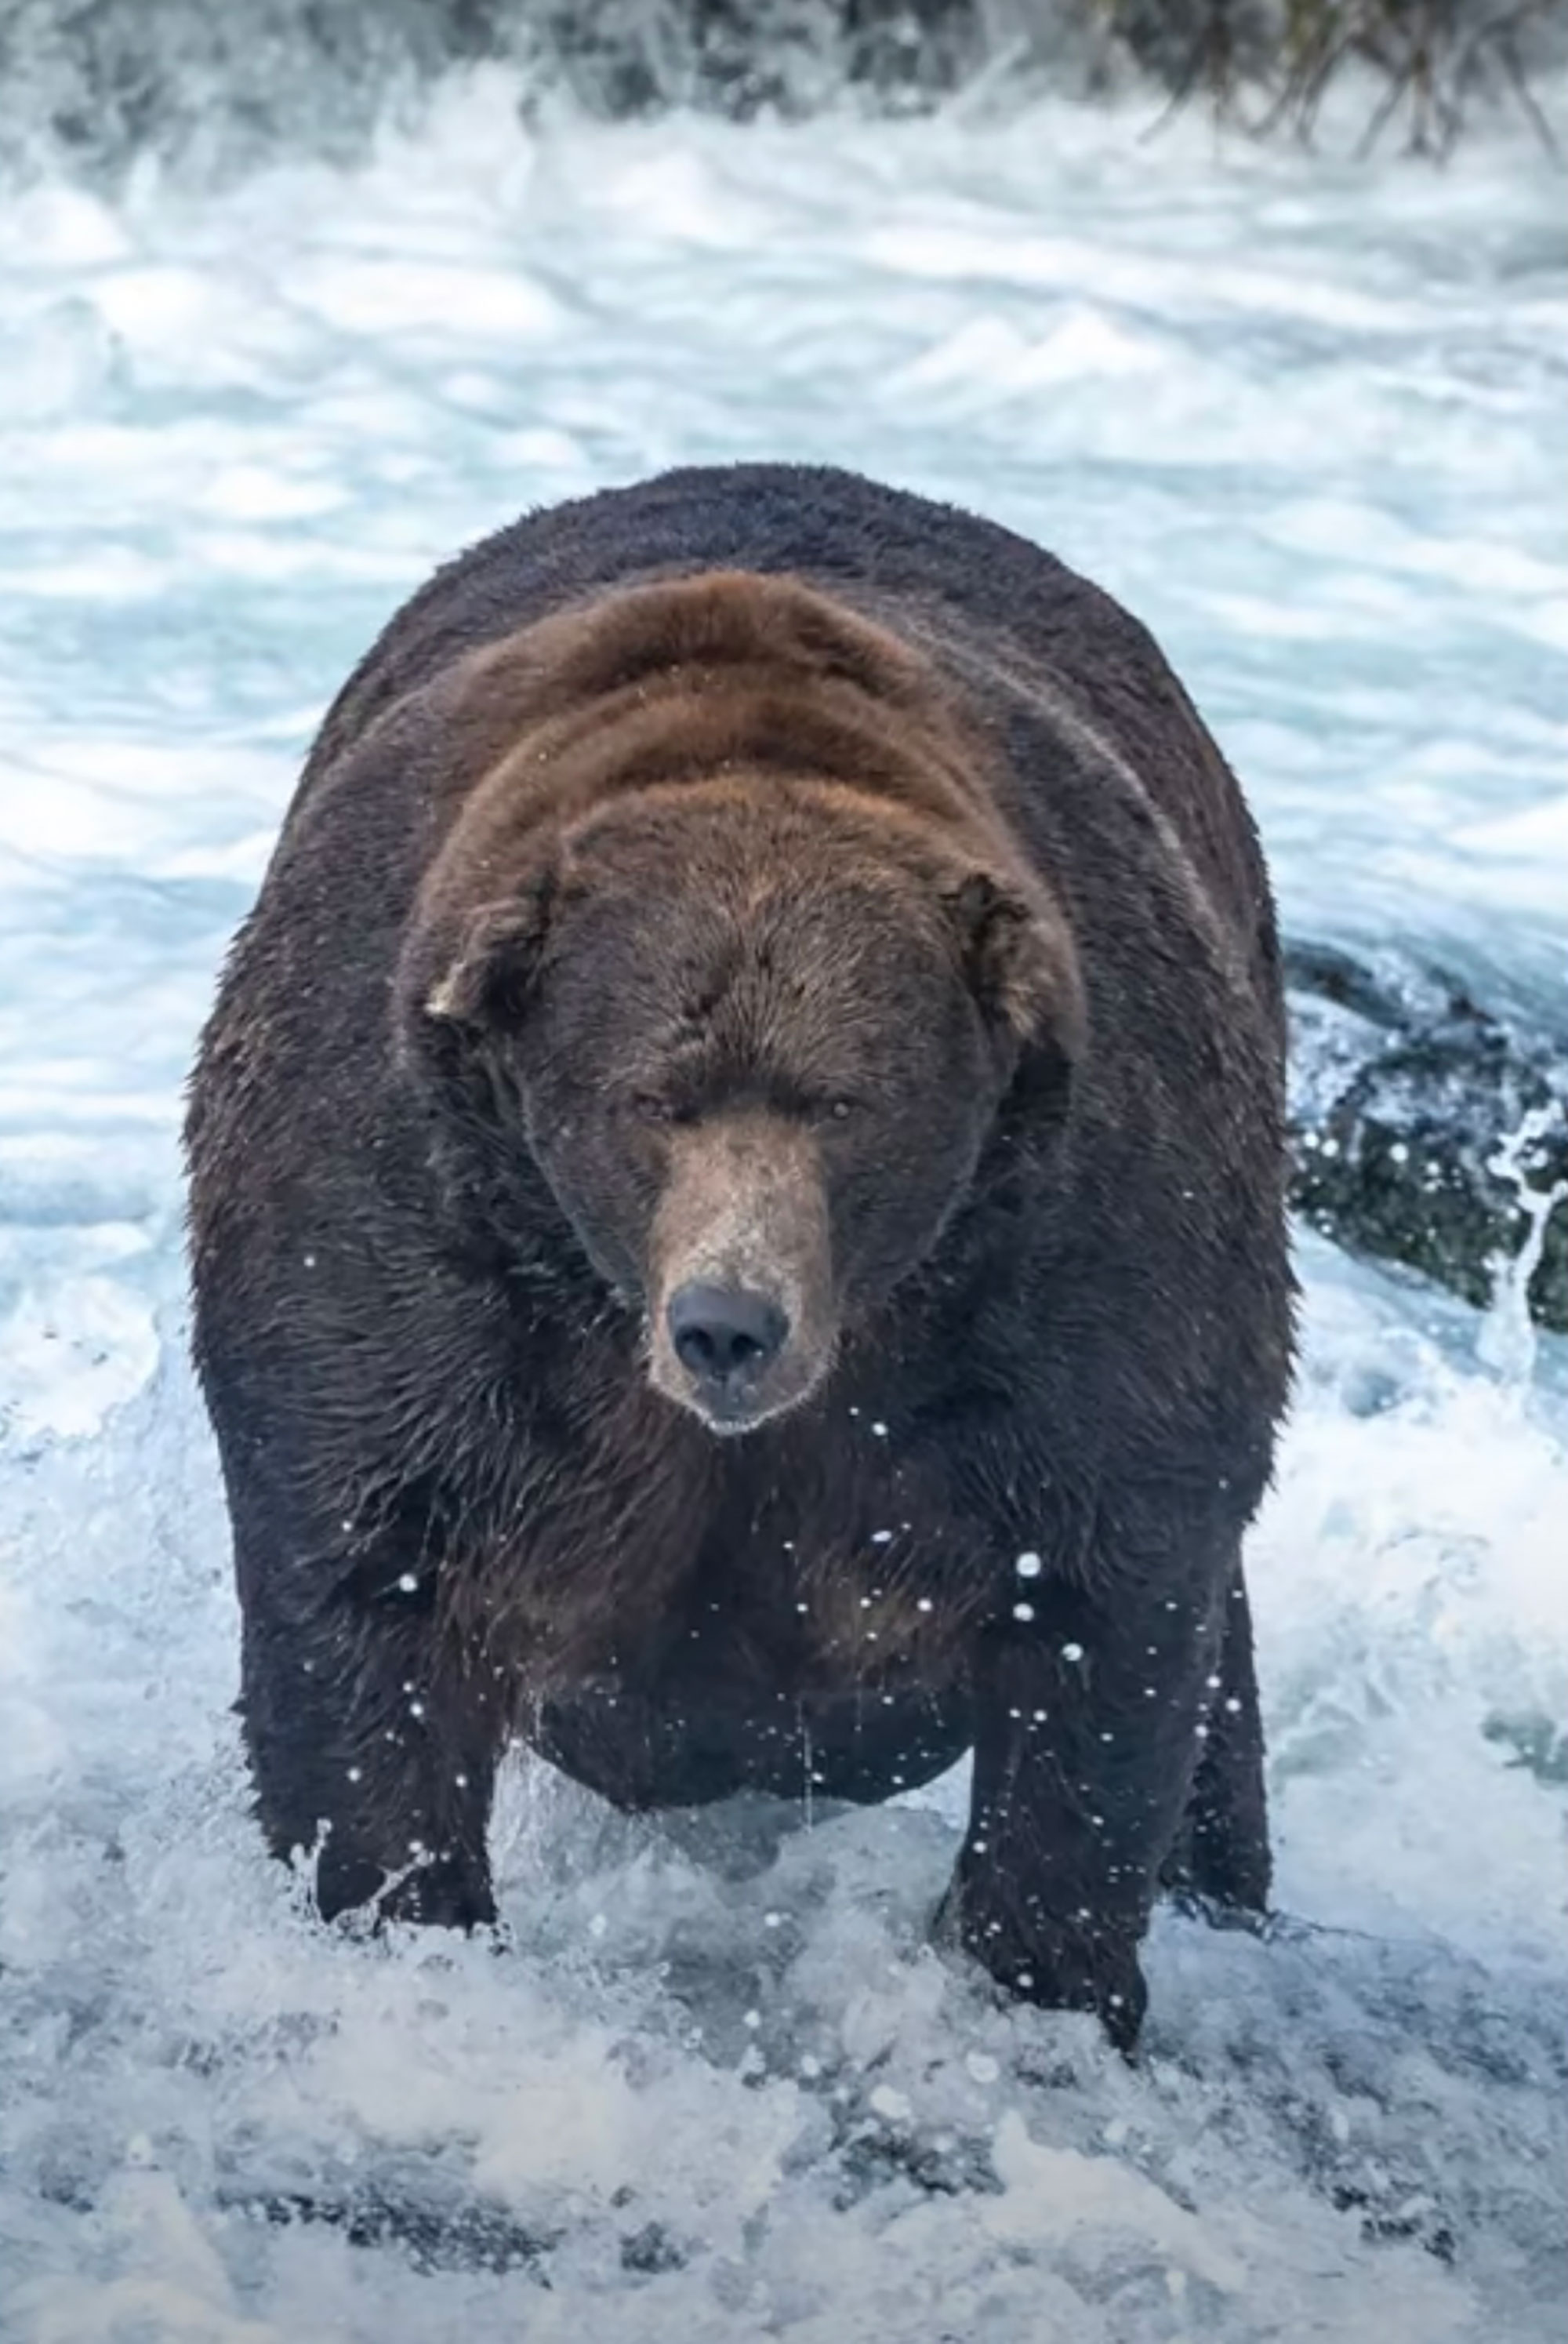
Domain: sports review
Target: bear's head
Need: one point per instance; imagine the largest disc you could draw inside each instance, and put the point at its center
(754, 1028)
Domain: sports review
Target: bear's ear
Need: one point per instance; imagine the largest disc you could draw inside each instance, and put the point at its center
(1020, 963)
(488, 978)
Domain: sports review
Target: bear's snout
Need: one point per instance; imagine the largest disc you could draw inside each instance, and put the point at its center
(741, 1302)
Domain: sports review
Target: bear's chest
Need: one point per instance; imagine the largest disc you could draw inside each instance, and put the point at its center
(834, 1578)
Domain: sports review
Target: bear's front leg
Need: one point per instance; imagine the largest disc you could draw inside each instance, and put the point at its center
(371, 1740)
(1090, 1716)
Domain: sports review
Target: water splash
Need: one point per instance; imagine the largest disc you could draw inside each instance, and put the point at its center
(1507, 1341)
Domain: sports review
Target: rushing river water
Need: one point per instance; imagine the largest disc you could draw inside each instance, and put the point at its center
(1309, 419)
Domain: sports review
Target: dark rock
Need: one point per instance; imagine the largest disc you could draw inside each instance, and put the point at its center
(1538, 1743)
(651, 2251)
(1404, 1091)
(438, 2229)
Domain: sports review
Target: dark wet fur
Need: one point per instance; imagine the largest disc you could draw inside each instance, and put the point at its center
(419, 1373)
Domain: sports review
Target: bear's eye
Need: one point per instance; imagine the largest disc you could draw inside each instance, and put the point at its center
(834, 1110)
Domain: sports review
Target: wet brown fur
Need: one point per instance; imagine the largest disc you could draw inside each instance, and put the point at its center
(847, 790)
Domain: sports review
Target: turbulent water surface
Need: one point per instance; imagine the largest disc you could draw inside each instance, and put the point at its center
(1309, 420)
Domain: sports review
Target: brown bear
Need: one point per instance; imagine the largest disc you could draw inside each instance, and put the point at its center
(736, 1213)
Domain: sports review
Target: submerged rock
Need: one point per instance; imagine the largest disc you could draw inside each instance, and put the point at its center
(1427, 1130)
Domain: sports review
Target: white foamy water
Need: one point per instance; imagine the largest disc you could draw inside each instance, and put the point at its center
(1310, 421)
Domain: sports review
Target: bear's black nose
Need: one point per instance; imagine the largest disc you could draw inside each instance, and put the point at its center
(723, 1334)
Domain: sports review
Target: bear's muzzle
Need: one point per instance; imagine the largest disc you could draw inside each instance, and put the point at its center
(741, 1317)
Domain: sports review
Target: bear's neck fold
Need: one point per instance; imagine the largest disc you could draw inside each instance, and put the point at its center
(691, 679)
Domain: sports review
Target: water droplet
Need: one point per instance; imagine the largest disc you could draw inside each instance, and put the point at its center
(409, 1584)
(1072, 1651)
(1023, 1611)
(1029, 1566)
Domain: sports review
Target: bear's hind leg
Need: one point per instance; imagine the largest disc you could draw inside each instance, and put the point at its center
(1222, 1855)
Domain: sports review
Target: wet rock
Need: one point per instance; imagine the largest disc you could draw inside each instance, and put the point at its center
(1425, 1128)
(436, 2224)
(651, 2251)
